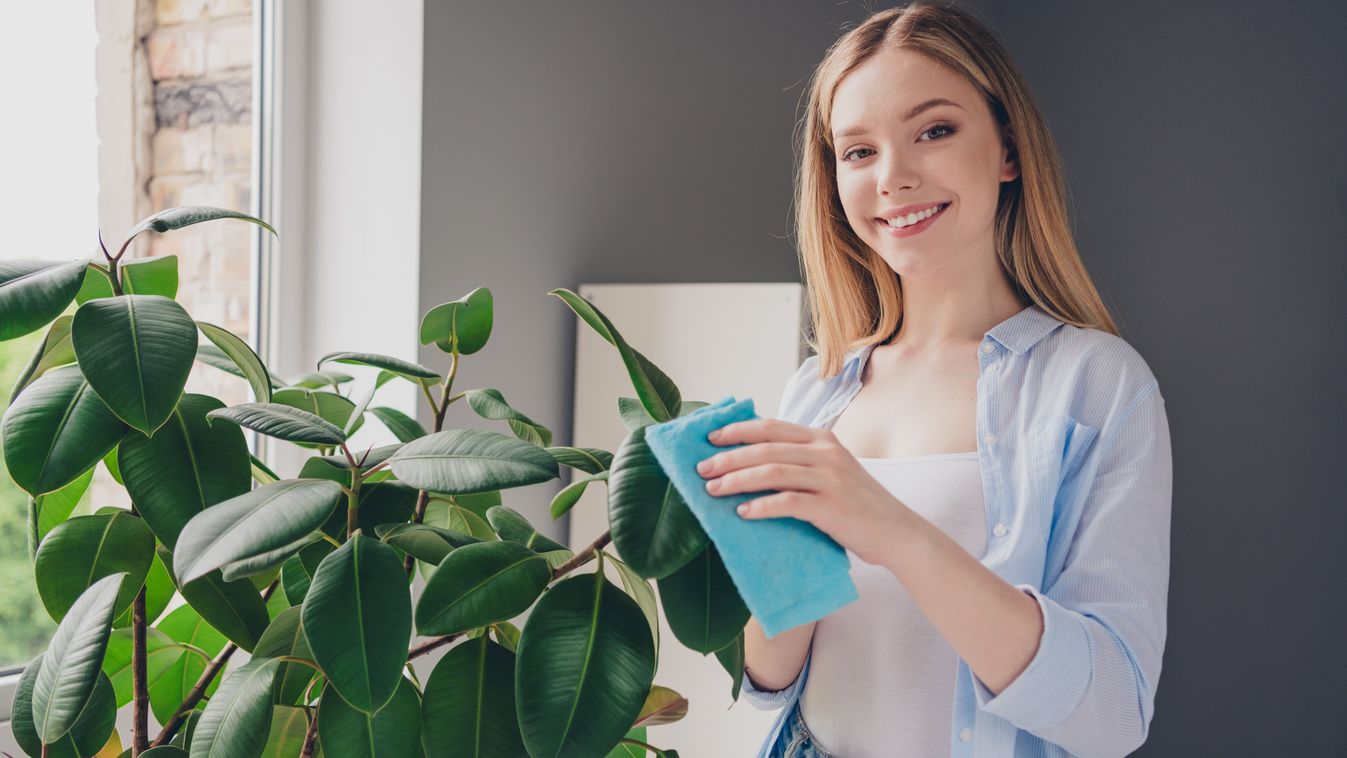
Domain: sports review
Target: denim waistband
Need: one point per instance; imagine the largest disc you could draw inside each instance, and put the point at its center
(796, 741)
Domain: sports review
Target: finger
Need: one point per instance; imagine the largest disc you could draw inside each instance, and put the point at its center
(768, 476)
(761, 430)
(781, 504)
(752, 455)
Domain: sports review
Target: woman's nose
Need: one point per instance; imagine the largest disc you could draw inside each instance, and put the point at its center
(895, 173)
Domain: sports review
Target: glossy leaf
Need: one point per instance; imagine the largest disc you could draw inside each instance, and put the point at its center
(87, 548)
(259, 526)
(587, 459)
(33, 293)
(640, 590)
(298, 570)
(393, 732)
(469, 704)
(731, 658)
(471, 460)
(159, 590)
(462, 326)
(54, 351)
(235, 609)
(282, 422)
(569, 495)
(319, 379)
(156, 275)
(238, 351)
(511, 525)
(186, 467)
(657, 392)
(423, 541)
(199, 642)
(701, 603)
(335, 409)
(662, 706)
(177, 218)
(70, 667)
(161, 651)
(479, 584)
(237, 719)
(404, 427)
(585, 649)
(211, 355)
(52, 509)
(406, 369)
(91, 729)
(357, 619)
(490, 403)
(56, 430)
(653, 529)
(136, 351)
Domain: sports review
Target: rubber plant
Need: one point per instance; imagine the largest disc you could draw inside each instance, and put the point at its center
(311, 575)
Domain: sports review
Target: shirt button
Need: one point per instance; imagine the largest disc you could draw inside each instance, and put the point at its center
(999, 530)
(965, 735)
(989, 438)
(987, 347)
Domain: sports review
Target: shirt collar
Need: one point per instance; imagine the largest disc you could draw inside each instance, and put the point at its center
(1017, 334)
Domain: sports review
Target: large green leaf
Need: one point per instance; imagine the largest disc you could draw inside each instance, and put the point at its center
(237, 720)
(653, 529)
(404, 427)
(462, 326)
(90, 731)
(590, 460)
(243, 357)
(157, 275)
(177, 218)
(469, 704)
(159, 590)
(260, 527)
(87, 548)
(160, 654)
(52, 509)
(656, 390)
(186, 467)
(54, 351)
(285, 637)
(56, 430)
(70, 667)
(289, 726)
(568, 496)
(479, 584)
(358, 620)
(644, 594)
(298, 570)
(283, 422)
(32, 293)
(490, 403)
(333, 408)
(461, 461)
(584, 667)
(731, 658)
(414, 372)
(702, 604)
(136, 352)
(209, 354)
(393, 732)
(235, 609)
(511, 525)
(423, 541)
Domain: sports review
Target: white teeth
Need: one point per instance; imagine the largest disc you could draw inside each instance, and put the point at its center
(912, 218)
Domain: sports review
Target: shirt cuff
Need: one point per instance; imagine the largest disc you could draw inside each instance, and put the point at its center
(767, 700)
(1054, 682)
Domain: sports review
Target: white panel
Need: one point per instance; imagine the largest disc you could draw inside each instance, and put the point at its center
(713, 340)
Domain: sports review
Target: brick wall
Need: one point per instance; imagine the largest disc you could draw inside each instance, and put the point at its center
(198, 59)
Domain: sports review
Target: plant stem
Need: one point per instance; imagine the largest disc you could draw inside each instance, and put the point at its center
(353, 504)
(140, 697)
(439, 409)
(310, 736)
(199, 689)
(580, 559)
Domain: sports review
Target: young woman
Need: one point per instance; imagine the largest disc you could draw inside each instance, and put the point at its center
(972, 429)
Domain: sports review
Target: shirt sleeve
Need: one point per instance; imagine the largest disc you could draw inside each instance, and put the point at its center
(769, 700)
(1090, 686)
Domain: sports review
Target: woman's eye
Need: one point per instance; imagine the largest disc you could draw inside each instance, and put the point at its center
(853, 150)
(948, 129)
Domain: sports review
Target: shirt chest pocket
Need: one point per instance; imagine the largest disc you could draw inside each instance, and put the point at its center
(1056, 448)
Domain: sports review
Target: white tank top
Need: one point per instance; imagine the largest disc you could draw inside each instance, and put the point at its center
(881, 682)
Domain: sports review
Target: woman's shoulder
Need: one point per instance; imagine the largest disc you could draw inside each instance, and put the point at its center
(1098, 354)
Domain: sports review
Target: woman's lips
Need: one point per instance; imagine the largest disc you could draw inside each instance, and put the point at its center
(914, 229)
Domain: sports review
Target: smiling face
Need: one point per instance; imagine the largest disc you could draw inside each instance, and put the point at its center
(896, 151)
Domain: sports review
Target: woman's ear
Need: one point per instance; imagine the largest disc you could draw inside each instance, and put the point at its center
(1010, 160)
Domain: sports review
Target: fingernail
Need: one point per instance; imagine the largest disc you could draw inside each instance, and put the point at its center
(704, 466)
(743, 509)
(713, 436)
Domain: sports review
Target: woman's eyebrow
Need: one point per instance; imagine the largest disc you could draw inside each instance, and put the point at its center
(915, 111)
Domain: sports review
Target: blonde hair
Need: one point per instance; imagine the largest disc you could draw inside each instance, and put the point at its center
(854, 296)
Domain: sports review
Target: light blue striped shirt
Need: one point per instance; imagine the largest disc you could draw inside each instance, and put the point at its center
(1074, 449)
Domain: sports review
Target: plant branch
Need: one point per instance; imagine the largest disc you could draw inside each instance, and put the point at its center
(439, 409)
(198, 690)
(579, 560)
(140, 689)
(310, 736)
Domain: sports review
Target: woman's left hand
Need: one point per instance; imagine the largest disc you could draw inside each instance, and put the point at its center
(818, 480)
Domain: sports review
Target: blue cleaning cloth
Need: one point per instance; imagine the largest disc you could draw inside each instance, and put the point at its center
(787, 571)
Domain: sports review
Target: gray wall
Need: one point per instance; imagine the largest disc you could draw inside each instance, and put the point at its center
(610, 141)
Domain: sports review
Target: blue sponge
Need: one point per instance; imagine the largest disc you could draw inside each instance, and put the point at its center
(787, 571)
